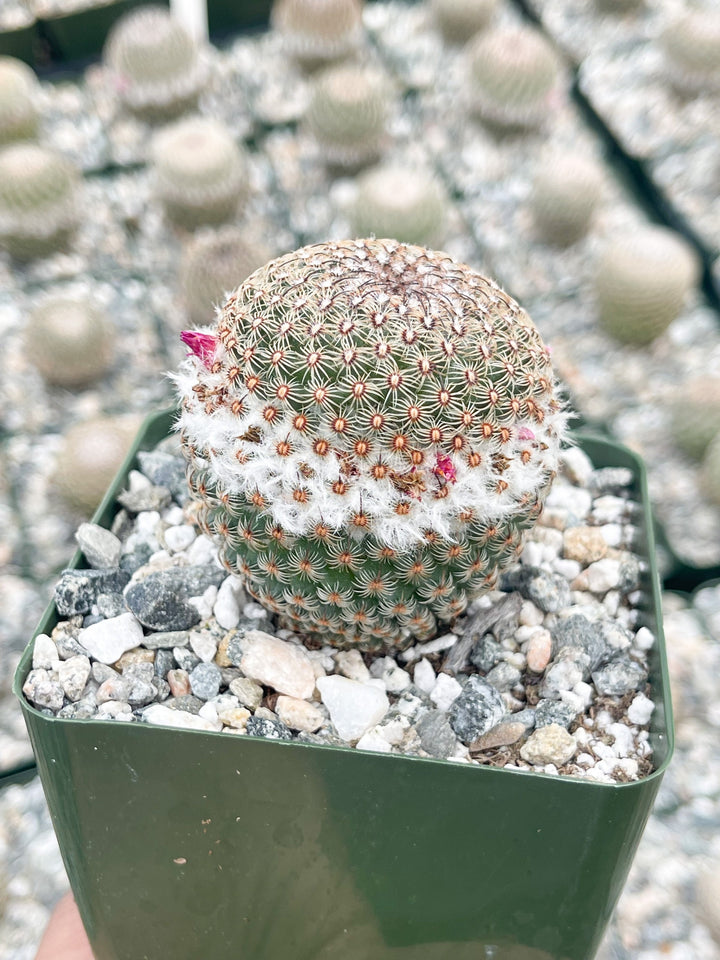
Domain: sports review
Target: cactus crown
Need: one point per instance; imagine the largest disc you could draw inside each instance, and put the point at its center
(692, 48)
(513, 72)
(641, 283)
(360, 404)
(69, 340)
(154, 60)
(565, 192)
(212, 265)
(19, 90)
(459, 20)
(405, 202)
(318, 29)
(348, 112)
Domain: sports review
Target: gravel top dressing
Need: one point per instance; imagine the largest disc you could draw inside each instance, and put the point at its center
(547, 674)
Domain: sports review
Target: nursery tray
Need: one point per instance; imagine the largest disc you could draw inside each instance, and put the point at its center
(192, 844)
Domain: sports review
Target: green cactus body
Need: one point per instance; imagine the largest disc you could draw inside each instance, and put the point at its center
(69, 340)
(406, 203)
(212, 265)
(565, 193)
(90, 455)
(458, 20)
(369, 430)
(154, 64)
(695, 415)
(348, 113)
(38, 200)
(514, 76)
(200, 172)
(691, 45)
(315, 32)
(641, 282)
(19, 94)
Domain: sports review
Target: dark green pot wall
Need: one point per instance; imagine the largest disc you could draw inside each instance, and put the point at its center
(187, 844)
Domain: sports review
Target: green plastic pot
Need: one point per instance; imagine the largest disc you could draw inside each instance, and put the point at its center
(188, 844)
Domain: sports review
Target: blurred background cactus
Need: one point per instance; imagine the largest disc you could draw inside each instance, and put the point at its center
(458, 20)
(514, 76)
(19, 95)
(213, 263)
(370, 428)
(691, 44)
(70, 341)
(695, 415)
(154, 64)
(566, 191)
(315, 32)
(641, 283)
(38, 200)
(201, 175)
(399, 201)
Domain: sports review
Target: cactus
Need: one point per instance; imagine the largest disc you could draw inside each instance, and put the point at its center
(514, 76)
(695, 415)
(691, 45)
(19, 90)
(369, 429)
(565, 192)
(69, 340)
(618, 6)
(154, 64)
(316, 32)
(347, 114)
(38, 200)
(200, 172)
(90, 455)
(213, 264)
(458, 20)
(710, 471)
(398, 201)
(641, 282)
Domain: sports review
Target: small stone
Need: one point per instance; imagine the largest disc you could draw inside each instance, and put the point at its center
(110, 605)
(248, 692)
(548, 591)
(187, 703)
(133, 657)
(185, 659)
(65, 637)
(108, 640)
(526, 717)
(603, 575)
(576, 465)
(165, 470)
(179, 681)
(159, 714)
(445, 642)
(235, 717)
(478, 709)
(640, 710)
(576, 631)
(115, 710)
(179, 538)
(265, 727)
(166, 640)
(437, 737)
(502, 735)
(619, 677)
(554, 711)
(393, 677)
(226, 609)
(616, 638)
(503, 676)
(351, 665)
(445, 691)
(584, 544)
(81, 710)
(101, 672)
(114, 688)
(299, 714)
(276, 663)
(205, 602)
(205, 681)
(644, 639)
(550, 744)
(203, 552)
(145, 499)
(424, 676)
(43, 690)
(374, 741)
(354, 707)
(203, 645)
(76, 590)
(560, 675)
(45, 652)
(539, 650)
(486, 653)
(160, 600)
(73, 674)
(102, 548)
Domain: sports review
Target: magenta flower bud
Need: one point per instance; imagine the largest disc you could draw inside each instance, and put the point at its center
(203, 345)
(444, 468)
(525, 433)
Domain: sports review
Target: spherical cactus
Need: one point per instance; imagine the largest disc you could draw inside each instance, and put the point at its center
(691, 45)
(565, 192)
(69, 340)
(19, 93)
(348, 113)
(318, 31)
(201, 174)
(90, 455)
(154, 63)
(617, 6)
(710, 471)
(514, 76)
(370, 427)
(38, 200)
(458, 20)
(695, 415)
(398, 201)
(641, 282)
(212, 266)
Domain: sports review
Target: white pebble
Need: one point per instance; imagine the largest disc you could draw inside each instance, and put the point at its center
(612, 534)
(393, 677)
(202, 551)
(117, 709)
(576, 465)
(205, 603)
(351, 665)
(549, 744)
(372, 740)
(608, 509)
(394, 730)
(640, 710)
(533, 554)
(530, 615)
(299, 714)
(445, 691)
(644, 639)
(444, 642)
(179, 538)
(354, 707)
(624, 743)
(603, 575)
(567, 568)
(203, 645)
(208, 711)
(160, 715)
(108, 640)
(573, 499)
(45, 653)
(146, 523)
(174, 516)
(227, 605)
(73, 674)
(276, 663)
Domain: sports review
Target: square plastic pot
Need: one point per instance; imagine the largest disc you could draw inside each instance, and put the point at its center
(190, 844)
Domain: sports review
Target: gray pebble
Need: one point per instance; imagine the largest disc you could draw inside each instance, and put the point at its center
(619, 677)
(65, 638)
(145, 499)
(143, 671)
(578, 631)
(503, 676)
(630, 574)
(548, 591)
(164, 661)
(101, 547)
(234, 651)
(186, 702)
(185, 659)
(82, 710)
(476, 710)
(92, 618)
(73, 674)
(43, 691)
(165, 470)
(77, 590)
(486, 653)
(110, 605)
(136, 558)
(436, 735)
(248, 692)
(265, 727)
(141, 693)
(610, 479)
(229, 674)
(162, 689)
(166, 639)
(553, 711)
(102, 671)
(205, 681)
(560, 675)
(526, 716)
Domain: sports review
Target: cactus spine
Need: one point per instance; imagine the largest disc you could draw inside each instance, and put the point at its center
(69, 340)
(565, 193)
(38, 200)
(19, 89)
(641, 282)
(406, 203)
(315, 32)
(369, 429)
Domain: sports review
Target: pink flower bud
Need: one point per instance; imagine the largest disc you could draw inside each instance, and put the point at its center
(203, 345)
(525, 433)
(444, 468)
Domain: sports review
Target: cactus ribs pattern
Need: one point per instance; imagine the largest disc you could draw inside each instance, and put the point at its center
(369, 430)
